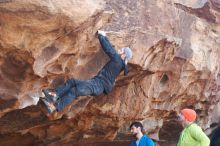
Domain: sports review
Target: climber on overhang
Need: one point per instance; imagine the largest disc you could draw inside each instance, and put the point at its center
(57, 99)
(192, 135)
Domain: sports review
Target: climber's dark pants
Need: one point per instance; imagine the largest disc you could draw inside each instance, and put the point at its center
(74, 88)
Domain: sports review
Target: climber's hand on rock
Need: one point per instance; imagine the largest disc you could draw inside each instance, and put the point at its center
(100, 32)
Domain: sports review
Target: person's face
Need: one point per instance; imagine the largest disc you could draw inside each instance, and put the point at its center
(182, 119)
(134, 130)
(121, 53)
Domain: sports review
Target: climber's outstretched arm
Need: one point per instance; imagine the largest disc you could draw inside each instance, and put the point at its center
(106, 45)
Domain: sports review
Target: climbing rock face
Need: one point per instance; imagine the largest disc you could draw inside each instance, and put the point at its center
(175, 64)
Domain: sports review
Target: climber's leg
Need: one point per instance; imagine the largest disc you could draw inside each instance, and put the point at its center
(54, 94)
(83, 88)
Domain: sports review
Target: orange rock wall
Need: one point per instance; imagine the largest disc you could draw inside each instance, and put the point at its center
(175, 65)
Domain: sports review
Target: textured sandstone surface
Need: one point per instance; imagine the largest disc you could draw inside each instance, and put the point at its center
(176, 64)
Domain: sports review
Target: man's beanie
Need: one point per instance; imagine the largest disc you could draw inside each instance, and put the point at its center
(189, 114)
(127, 52)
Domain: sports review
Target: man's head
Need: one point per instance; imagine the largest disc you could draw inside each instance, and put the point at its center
(136, 128)
(187, 116)
(125, 53)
